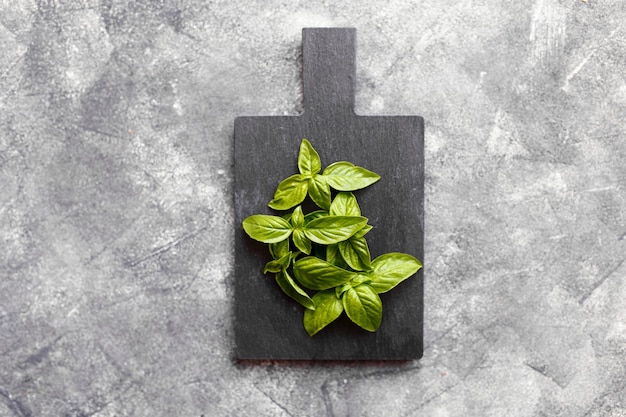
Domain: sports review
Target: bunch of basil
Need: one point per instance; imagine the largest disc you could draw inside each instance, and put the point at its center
(338, 264)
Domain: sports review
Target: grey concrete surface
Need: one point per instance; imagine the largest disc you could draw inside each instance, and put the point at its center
(116, 217)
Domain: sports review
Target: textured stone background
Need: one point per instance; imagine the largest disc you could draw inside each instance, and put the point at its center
(116, 230)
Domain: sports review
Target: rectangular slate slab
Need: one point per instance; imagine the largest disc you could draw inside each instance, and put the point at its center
(268, 324)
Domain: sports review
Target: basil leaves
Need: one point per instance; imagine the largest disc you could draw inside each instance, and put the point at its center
(326, 250)
(342, 176)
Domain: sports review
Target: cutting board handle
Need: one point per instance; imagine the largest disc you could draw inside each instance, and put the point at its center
(329, 69)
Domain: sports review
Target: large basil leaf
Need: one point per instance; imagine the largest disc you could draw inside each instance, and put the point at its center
(333, 229)
(317, 274)
(344, 176)
(320, 191)
(345, 204)
(363, 307)
(390, 269)
(290, 192)
(356, 253)
(289, 287)
(267, 229)
(309, 162)
(327, 308)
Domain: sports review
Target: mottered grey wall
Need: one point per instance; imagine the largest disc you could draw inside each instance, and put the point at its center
(116, 210)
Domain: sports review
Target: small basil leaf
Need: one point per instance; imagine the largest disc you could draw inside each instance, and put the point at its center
(309, 162)
(278, 265)
(267, 229)
(290, 192)
(327, 308)
(342, 288)
(344, 176)
(333, 229)
(272, 266)
(365, 230)
(301, 241)
(363, 307)
(317, 274)
(359, 279)
(289, 287)
(297, 218)
(285, 261)
(390, 269)
(356, 253)
(333, 256)
(280, 249)
(319, 190)
(345, 204)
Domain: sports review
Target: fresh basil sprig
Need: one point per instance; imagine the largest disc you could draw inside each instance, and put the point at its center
(342, 176)
(324, 230)
(338, 264)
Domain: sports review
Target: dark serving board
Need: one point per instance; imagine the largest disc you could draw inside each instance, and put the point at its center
(268, 324)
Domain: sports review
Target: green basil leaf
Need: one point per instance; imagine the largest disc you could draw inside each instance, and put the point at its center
(297, 217)
(317, 274)
(319, 190)
(341, 289)
(278, 265)
(289, 287)
(344, 176)
(280, 249)
(290, 192)
(359, 279)
(363, 307)
(333, 256)
(301, 241)
(272, 266)
(285, 261)
(366, 229)
(356, 253)
(327, 308)
(345, 204)
(309, 162)
(267, 229)
(390, 269)
(333, 229)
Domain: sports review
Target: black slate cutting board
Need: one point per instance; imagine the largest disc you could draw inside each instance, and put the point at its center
(268, 324)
